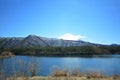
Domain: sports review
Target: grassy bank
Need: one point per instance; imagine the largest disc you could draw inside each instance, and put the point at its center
(63, 74)
(62, 78)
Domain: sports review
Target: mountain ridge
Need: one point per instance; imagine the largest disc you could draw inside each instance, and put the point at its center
(37, 41)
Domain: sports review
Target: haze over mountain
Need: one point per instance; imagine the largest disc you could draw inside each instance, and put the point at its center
(37, 41)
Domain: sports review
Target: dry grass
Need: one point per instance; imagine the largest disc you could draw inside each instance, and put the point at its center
(90, 74)
(57, 72)
(75, 74)
(6, 54)
(61, 78)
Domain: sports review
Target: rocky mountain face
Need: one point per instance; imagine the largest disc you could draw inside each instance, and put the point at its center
(36, 41)
(9, 42)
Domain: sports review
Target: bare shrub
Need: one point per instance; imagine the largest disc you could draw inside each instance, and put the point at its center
(115, 76)
(57, 72)
(33, 68)
(26, 68)
(76, 72)
(93, 74)
(3, 70)
(2, 75)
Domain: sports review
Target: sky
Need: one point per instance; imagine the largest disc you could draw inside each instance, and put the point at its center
(95, 21)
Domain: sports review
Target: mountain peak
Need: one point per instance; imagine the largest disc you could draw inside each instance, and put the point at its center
(31, 35)
(37, 41)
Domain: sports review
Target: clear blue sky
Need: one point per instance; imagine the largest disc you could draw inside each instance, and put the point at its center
(97, 20)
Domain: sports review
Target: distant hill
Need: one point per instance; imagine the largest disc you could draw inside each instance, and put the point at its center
(37, 41)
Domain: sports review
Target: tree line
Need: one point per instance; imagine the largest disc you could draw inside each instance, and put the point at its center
(73, 50)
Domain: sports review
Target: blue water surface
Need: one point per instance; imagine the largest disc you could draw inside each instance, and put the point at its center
(107, 64)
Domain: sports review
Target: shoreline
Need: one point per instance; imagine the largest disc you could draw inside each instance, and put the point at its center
(6, 54)
(64, 78)
(69, 55)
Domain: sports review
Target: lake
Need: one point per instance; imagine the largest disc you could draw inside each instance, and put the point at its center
(107, 64)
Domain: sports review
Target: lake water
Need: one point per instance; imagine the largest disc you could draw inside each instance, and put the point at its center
(106, 64)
